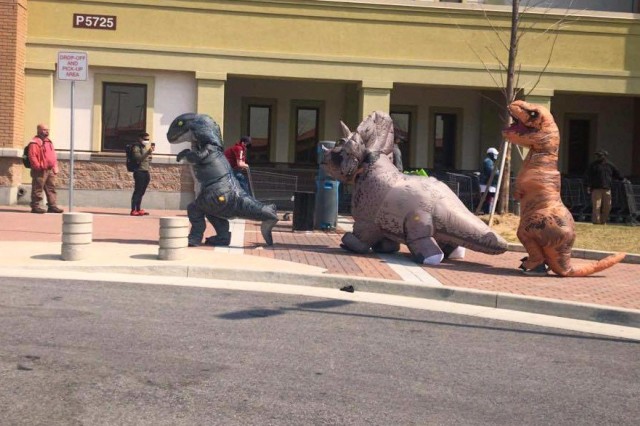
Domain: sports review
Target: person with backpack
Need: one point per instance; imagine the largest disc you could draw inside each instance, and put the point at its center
(141, 154)
(43, 162)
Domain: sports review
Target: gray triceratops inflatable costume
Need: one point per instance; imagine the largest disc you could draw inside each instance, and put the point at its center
(390, 208)
(221, 197)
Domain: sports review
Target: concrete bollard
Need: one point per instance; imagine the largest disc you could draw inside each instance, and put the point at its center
(77, 234)
(173, 238)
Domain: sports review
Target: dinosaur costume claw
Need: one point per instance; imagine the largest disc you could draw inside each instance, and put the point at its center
(546, 229)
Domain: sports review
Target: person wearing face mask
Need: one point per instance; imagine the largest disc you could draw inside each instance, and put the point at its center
(44, 168)
(142, 151)
(488, 165)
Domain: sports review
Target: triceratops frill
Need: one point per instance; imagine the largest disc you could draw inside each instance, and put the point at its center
(390, 208)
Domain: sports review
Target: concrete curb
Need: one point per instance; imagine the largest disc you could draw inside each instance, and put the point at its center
(584, 254)
(530, 304)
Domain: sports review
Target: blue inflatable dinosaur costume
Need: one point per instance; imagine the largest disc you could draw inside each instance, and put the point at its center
(221, 197)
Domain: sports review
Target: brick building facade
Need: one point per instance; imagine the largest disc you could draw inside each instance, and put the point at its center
(13, 37)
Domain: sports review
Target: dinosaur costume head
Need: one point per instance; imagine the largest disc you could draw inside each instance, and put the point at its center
(344, 161)
(533, 127)
(374, 136)
(375, 132)
(192, 127)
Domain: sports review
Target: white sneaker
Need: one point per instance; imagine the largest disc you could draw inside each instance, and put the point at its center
(433, 260)
(458, 253)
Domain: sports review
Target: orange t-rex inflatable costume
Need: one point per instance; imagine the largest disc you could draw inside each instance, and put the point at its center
(546, 229)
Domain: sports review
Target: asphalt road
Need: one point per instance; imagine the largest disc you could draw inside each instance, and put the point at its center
(99, 353)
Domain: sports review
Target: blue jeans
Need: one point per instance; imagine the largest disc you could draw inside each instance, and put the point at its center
(243, 181)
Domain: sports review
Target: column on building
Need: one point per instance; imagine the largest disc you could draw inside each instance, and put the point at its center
(374, 96)
(210, 100)
(38, 100)
(210, 95)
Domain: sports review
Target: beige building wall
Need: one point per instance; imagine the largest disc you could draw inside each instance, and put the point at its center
(352, 59)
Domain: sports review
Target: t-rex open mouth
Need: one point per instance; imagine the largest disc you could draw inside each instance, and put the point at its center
(519, 127)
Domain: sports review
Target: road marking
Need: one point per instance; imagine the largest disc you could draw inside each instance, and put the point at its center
(407, 269)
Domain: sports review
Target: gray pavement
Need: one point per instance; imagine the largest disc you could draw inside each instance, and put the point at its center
(119, 353)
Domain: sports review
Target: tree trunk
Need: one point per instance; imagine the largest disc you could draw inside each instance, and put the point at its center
(505, 173)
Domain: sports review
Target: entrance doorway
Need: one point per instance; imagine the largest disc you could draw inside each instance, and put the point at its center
(443, 140)
(580, 137)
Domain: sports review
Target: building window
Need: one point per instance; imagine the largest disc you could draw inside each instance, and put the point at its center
(402, 131)
(259, 128)
(444, 141)
(307, 135)
(124, 114)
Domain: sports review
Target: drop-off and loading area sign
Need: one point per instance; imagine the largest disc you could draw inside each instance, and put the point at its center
(72, 66)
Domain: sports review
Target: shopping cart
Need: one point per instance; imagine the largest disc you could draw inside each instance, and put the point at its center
(273, 188)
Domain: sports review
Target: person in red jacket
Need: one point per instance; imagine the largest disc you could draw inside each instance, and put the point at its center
(237, 158)
(44, 168)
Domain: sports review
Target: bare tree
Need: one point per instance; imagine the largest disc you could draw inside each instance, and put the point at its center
(510, 86)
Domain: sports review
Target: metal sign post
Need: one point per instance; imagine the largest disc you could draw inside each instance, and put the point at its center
(72, 66)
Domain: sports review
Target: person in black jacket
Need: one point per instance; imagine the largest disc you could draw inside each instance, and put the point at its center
(142, 153)
(600, 174)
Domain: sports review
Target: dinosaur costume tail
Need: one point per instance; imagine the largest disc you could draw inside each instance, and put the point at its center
(588, 269)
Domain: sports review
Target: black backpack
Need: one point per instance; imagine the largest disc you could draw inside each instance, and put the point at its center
(132, 164)
(25, 156)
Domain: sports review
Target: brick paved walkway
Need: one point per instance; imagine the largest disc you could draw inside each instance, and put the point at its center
(618, 286)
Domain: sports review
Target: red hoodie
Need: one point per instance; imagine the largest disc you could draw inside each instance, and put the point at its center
(42, 155)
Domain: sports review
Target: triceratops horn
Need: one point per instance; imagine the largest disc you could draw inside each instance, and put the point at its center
(345, 130)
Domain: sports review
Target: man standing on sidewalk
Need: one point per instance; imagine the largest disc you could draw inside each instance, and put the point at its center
(44, 168)
(142, 151)
(599, 177)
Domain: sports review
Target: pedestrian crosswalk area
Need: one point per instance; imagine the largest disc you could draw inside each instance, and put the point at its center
(405, 269)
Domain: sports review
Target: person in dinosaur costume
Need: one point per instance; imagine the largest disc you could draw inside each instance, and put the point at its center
(390, 208)
(546, 229)
(221, 197)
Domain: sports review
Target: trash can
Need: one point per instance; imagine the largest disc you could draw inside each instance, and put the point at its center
(327, 194)
(303, 209)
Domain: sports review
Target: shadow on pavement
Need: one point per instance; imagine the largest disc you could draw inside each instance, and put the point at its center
(319, 307)
(124, 241)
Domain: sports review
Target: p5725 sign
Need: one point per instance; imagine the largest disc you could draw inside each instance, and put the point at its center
(94, 22)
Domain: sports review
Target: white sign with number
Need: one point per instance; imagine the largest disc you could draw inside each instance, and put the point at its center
(72, 66)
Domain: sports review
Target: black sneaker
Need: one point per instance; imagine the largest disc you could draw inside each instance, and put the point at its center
(218, 241)
(54, 209)
(538, 271)
(38, 210)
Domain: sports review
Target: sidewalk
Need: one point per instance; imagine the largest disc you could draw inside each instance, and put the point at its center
(122, 243)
